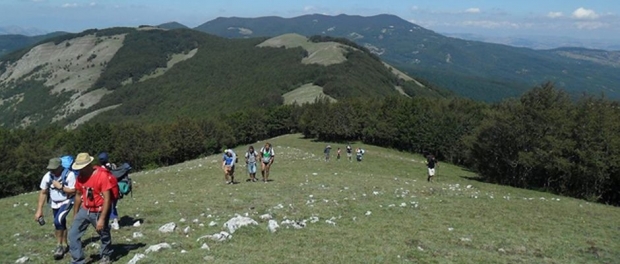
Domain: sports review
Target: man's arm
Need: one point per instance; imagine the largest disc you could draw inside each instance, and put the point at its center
(78, 201)
(107, 201)
(42, 196)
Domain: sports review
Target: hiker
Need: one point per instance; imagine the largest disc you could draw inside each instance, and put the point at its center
(326, 152)
(105, 162)
(93, 200)
(359, 153)
(250, 161)
(228, 165)
(349, 150)
(431, 163)
(60, 193)
(267, 156)
(338, 154)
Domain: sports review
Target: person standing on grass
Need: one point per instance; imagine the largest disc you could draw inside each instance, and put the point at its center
(93, 200)
(228, 164)
(349, 150)
(338, 154)
(250, 161)
(267, 156)
(104, 161)
(326, 152)
(431, 163)
(60, 194)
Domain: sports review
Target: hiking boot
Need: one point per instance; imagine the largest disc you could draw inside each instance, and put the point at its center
(59, 252)
(115, 225)
(105, 260)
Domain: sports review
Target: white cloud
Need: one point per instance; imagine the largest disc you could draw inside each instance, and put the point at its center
(489, 24)
(590, 25)
(555, 14)
(473, 10)
(67, 5)
(582, 13)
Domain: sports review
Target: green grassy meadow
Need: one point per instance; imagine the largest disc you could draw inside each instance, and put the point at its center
(452, 220)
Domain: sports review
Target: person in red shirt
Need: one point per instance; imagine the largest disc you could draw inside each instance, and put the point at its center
(93, 201)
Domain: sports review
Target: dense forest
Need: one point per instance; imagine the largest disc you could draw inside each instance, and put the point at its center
(543, 140)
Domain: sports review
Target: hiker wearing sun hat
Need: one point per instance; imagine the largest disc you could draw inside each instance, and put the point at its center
(94, 195)
(58, 186)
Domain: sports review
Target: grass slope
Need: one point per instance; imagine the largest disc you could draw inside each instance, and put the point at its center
(307, 93)
(453, 220)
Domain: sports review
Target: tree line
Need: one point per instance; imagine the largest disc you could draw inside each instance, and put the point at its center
(543, 140)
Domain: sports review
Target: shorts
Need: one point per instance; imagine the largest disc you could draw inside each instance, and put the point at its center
(252, 167)
(230, 168)
(431, 171)
(60, 216)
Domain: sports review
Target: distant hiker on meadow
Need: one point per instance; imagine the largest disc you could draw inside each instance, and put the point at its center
(431, 163)
(250, 160)
(95, 192)
(349, 150)
(57, 185)
(267, 156)
(326, 152)
(359, 153)
(338, 154)
(104, 161)
(228, 165)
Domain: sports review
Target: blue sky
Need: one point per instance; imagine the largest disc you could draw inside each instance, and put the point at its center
(571, 18)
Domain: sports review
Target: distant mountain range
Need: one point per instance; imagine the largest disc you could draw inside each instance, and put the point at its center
(475, 69)
(542, 42)
(15, 30)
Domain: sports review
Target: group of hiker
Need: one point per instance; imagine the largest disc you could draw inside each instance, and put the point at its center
(265, 156)
(93, 190)
(359, 153)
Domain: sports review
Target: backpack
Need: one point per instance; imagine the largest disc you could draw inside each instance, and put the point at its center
(65, 161)
(124, 182)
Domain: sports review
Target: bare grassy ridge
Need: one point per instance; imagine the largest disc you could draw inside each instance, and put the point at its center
(453, 220)
(306, 93)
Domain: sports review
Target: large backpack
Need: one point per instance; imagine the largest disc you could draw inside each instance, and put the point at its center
(121, 174)
(65, 161)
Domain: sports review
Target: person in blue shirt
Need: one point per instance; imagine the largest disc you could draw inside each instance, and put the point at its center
(228, 165)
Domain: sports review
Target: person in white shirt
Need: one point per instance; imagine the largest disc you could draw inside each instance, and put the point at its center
(59, 184)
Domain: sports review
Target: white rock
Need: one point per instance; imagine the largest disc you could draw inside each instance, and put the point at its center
(182, 220)
(186, 230)
(314, 219)
(158, 247)
(195, 221)
(273, 226)
(330, 222)
(205, 246)
(403, 204)
(468, 186)
(375, 193)
(22, 260)
(16, 235)
(450, 228)
(279, 206)
(137, 235)
(315, 174)
(212, 223)
(221, 236)
(136, 258)
(465, 239)
(420, 248)
(168, 228)
(156, 202)
(266, 217)
(201, 225)
(183, 251)
(137, 224)
(239, 221)
(368, 213)
(501, 250)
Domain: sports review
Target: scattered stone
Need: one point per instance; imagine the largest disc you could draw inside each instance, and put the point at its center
(330, 222)
(465, 239)
(279, 206)
(420, 248)
(469, 186)
(16, 235)
(273, 226)
(158, 247)
(221, 236)
(137, 224)
(186, 230)
(168, 228)
(136, 258)
(212, 223)
(195, 221)
(182, 220)
(266, 217)
(137, 235)
(183, 251)
(314, 219)
(239, 221)
(450, 228)
(22, 260)
(368, 213)
(501, 250)
(403, 204)
(205, 246)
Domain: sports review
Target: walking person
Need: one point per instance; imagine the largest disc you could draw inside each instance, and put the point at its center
(228, 164)
(326, 152)
(349, 150)
(338, 154)
(267, 156)
(431, 163)
(250, 160)
(57, 184)
(104, 161)
(93, 200)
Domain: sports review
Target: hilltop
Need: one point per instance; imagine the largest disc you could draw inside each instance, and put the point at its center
(474, 69)
(152, 74)
(377, 210)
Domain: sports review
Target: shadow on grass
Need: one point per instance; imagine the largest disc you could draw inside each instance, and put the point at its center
(129, 221)
(119, 251)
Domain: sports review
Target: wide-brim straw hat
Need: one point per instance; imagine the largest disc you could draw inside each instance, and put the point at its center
(82, 160)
